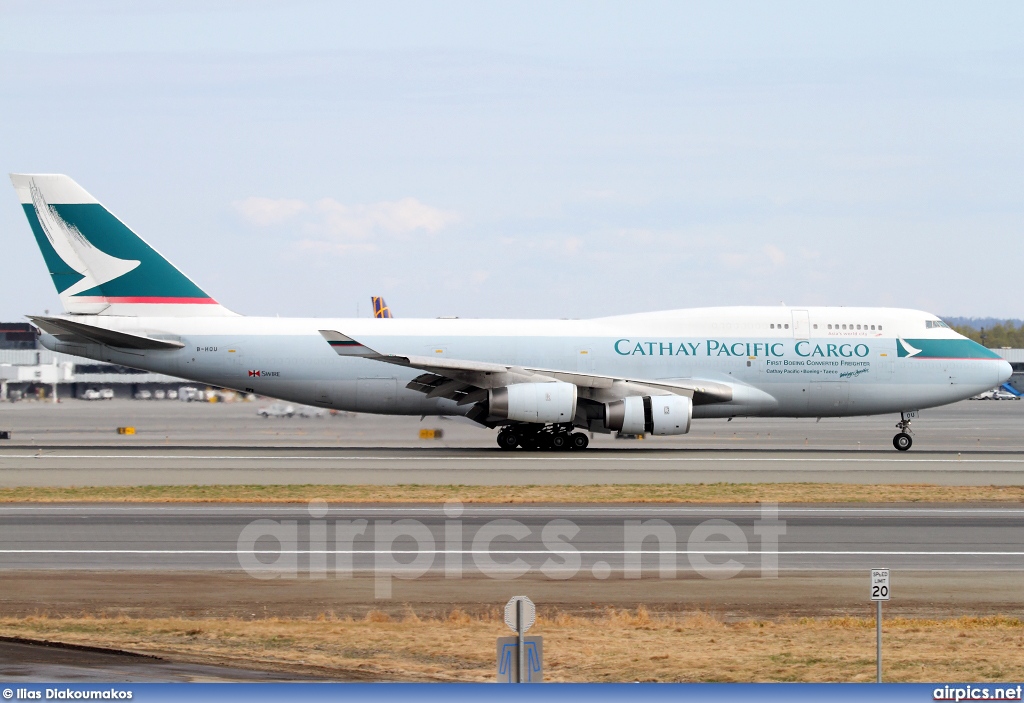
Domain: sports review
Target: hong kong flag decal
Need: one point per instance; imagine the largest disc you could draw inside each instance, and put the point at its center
(253, 373)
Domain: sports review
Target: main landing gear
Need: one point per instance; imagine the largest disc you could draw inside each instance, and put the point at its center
(542, 437)
(903, 441)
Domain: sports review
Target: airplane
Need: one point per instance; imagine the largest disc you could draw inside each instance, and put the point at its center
(380, 308)
(539, 382)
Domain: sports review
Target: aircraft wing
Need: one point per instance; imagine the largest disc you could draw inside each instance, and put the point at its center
(468, 381)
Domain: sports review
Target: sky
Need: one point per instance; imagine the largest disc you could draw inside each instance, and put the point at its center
(532, 159)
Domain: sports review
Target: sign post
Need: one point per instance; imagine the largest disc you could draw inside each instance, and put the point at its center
(520, 644)
(879, 592)
(520, 614)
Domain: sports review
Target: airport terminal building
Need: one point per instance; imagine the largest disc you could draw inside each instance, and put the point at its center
(1016, 359)
(27, 370)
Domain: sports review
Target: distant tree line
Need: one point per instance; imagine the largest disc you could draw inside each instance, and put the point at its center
(993, 336)
(979, 322)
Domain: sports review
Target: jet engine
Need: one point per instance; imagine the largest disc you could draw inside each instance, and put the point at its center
(533, 402)
(658, 414)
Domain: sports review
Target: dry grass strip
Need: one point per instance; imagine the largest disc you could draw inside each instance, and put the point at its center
(617, 645)
(659, 493)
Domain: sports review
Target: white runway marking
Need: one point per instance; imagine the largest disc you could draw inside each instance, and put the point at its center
(507, 552)
(545, 457)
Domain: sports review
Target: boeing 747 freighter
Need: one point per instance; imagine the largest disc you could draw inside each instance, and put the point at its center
(538, 381)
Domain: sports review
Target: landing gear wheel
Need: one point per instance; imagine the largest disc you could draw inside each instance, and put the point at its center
(902, 441)
(507, 440)
(559, 442)
(579, 441)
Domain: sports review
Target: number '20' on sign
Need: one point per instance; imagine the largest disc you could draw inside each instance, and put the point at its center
(879, 584)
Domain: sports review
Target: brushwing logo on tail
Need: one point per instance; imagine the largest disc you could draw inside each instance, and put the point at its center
(96, 267)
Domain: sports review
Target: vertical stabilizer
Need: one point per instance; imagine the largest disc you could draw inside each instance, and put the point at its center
(380, 308)
(99, 265)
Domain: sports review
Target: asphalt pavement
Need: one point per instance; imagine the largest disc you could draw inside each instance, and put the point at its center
(31, 662)
(75, 444)
(502, 541)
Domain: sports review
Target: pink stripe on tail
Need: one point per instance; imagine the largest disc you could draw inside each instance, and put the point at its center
(145, 300)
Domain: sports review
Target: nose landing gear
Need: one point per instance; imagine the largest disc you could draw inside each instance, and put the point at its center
(903, 441)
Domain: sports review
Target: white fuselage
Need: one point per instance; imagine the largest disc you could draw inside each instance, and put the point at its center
(781, 361)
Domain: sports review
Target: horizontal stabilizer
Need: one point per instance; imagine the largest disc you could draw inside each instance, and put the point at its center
(79, 332)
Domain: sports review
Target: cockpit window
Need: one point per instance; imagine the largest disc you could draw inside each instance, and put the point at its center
(931, 324)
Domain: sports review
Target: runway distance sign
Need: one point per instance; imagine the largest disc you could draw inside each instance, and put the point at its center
(879, 584)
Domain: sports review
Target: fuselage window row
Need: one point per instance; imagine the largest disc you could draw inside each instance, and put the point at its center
(863, 328)
(849, 327)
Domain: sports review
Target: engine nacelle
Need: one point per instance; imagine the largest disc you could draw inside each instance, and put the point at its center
(658, 414)
(533, 402)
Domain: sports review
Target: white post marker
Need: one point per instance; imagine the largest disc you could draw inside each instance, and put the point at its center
(879, 592)
(520, 614)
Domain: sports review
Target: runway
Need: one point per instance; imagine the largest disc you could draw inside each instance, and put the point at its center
(964, 426)
(140, 466)
(501, 541)
(32, 662)
(75, 444)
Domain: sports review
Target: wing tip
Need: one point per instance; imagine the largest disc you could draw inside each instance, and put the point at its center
(345, 345)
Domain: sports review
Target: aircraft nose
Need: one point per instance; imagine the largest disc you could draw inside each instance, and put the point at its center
(1005, 371)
